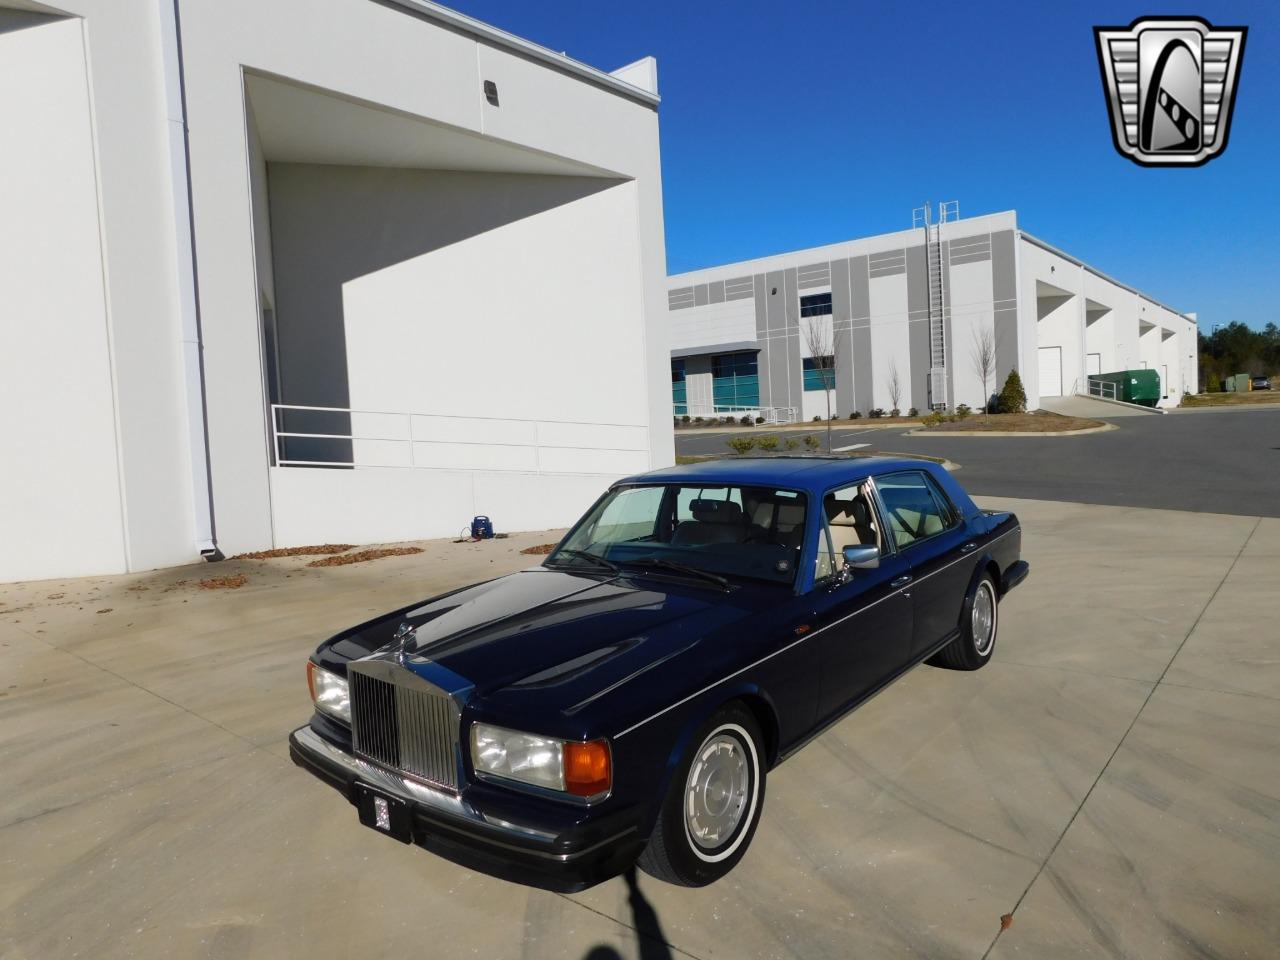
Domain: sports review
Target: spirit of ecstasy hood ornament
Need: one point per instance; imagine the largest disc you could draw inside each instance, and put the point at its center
(403, 637)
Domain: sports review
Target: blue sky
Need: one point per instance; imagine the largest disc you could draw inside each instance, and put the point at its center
(788, 125)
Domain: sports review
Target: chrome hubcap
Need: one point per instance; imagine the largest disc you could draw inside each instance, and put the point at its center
(717, 791)
(984, 619)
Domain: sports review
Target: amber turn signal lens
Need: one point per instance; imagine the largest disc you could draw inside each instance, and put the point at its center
(311, 680)
(588, 768)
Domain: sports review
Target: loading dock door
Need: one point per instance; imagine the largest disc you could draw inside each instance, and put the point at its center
(1050, 371)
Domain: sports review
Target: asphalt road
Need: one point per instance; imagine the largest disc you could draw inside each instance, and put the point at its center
(1215, 461)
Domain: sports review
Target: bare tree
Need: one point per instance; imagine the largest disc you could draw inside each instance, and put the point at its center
(982, 353)
(895, 386)
(820, 339)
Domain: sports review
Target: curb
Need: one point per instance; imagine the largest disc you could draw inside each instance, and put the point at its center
(926, 432)
(809, 427)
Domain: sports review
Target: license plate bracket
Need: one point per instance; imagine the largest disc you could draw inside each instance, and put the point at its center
(382, 812)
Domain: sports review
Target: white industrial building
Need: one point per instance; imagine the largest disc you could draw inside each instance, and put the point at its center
(279, 272)
(915, 302)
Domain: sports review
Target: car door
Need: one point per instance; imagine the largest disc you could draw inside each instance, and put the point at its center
(931, 537)
(864, 615)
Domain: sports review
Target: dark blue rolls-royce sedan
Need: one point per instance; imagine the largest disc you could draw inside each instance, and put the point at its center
(623, 702)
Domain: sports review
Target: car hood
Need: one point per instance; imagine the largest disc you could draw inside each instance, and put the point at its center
(548, 633)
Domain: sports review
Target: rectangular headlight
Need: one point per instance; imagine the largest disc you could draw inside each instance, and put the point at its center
(579, 769)
(329, 692)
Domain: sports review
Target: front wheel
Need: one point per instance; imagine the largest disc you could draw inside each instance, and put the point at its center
(713, 805)
(979, 619)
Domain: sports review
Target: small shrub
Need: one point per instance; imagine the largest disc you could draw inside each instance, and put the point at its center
(856, 415)
(697, 419)
(963, 411)
(759, 420)
(895, 412)
(767, 444)
(792, 443)
(741, 445)
(913, 412)
(1013, 398)
(811, 442)
(876, 414)
(745, 421)
(933, 419)
(728, 419)
(817, 419)
(685, 419)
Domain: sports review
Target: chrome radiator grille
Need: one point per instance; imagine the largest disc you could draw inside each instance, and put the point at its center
(399, 726)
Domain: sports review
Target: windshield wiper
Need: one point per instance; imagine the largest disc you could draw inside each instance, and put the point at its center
(682, 568)
(592, 558)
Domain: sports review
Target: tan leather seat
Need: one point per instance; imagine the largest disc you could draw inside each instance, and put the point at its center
(850, 524)
(714, 521)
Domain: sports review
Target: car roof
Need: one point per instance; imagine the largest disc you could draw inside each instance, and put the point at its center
(812, 474)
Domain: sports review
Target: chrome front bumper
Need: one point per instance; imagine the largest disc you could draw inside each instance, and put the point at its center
(576, 854)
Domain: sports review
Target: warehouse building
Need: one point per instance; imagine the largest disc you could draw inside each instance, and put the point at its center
(279, 272)
(904, 315)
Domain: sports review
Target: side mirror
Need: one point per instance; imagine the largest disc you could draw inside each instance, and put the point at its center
(861, 557)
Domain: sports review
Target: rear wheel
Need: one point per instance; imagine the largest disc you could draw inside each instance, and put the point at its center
(713, 805)
(979, 619)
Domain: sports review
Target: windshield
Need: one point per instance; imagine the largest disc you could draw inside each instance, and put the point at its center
(729, 531)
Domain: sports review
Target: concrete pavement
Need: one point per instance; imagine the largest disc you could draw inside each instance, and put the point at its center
(1109, 778)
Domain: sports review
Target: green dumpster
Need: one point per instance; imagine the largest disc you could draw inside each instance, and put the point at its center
(1131, 386)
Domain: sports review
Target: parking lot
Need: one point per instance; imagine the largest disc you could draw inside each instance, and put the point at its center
(1220, 460)
(1109, 779)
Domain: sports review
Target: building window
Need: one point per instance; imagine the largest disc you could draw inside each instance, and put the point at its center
(820, 373)
(735, 382)
(678, 396)
(815, 305)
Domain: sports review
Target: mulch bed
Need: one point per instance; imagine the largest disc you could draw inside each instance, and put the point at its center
(323, 549)
(234, 582)
(539, 549)
(1231, 399)
(341, 560)
(1038, 422)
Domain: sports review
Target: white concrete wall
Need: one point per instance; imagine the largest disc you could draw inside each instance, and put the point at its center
(713, 324)
(971, 313)
(699, 386)
(61, 509)
(1063, 323)
(389, 505)
(889, 338)
(1117, 333)
(408, 66)
(814, 404)
(414, 67)
(129, 140)
(555, 340)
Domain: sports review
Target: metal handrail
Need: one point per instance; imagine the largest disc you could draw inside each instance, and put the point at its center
(771, 415)
(1103, 389)
(413, 440)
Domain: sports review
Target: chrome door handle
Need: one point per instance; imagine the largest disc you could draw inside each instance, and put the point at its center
(900, 581)
(969, 548)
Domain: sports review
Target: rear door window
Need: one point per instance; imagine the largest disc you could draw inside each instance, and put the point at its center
(915, 509)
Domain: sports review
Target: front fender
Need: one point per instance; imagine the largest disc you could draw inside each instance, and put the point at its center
(670, 741)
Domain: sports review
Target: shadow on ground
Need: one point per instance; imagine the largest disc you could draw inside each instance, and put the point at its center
(652, 942)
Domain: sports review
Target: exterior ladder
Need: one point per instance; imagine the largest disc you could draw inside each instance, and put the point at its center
(922, 217)
(937, 319)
